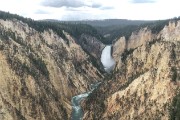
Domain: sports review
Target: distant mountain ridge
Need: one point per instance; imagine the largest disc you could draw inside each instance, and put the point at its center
(105, 22)
(113, 29)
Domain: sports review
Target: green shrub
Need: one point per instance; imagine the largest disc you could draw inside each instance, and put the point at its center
(174, 109)
(126, 53)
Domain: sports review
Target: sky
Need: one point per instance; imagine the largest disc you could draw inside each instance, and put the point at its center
(93, 9)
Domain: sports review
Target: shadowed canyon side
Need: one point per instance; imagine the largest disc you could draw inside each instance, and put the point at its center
(40, 71)
(145, 80)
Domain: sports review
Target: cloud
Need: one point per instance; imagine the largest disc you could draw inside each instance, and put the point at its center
(96, 5)
(142, 1)
(107, 8)
(39, 11)
(70, 3)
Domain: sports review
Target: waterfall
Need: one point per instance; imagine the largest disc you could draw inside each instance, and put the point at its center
(106, 59)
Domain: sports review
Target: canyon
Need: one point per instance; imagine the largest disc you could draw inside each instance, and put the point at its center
(49, 71)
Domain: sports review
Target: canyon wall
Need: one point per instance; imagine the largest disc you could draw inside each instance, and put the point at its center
(145, 80)
(40, 72)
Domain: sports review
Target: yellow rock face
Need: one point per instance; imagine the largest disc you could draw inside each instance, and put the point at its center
(40, 72)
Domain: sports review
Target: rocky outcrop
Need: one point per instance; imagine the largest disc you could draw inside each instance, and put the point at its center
(145, 80)
(40, 72)
(92, 45)
(135, 40)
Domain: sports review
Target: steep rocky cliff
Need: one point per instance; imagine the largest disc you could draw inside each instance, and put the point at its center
(145, 80)
(40, 71)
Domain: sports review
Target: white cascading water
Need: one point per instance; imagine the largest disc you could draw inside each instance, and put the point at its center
(107, 60)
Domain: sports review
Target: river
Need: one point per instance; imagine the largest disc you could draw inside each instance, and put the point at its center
(108, 63)
(77, 112)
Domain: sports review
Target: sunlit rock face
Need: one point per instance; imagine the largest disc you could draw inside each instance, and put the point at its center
(107, 60)
(136, 39)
